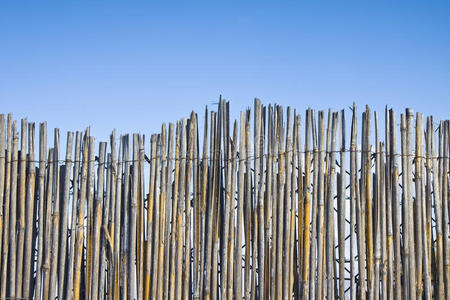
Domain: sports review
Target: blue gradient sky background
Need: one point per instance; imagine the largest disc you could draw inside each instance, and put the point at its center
(132, 65)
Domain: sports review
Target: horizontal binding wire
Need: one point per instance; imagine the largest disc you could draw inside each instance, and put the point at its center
(251, 157)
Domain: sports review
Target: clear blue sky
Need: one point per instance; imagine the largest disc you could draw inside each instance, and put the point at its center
(132, 65)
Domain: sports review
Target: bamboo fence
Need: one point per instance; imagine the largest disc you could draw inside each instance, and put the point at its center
(301, 208)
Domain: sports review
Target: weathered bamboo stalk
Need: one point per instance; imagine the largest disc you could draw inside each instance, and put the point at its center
(64, 216)
(389, 208)
(48, 226)
(131, 267)
(55, 219)
(418, 212)
(12, 262)
(409, 204)
(6, 207)
(41, 209)
(21, 207)
(117, 220)
(167, 234)
(315, 204)
(321, 204)
(440, 293)
(162, 228)
(186, 294)
(231, 239)
(75, 206)
(353, 202)
(156, 216)
(150, 219)
(173, 240)
(98, 215)
(395, 205)
(330, 258)
(3, 151)
(307, 206)
(2, 180)
(240, 210)
(28, 265)
(105, 237)
(341, 208)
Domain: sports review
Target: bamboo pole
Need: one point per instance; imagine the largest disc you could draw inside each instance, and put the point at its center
(405, 206)
(196, 193)
(48, 226)
(428, 200)
(418, 213)
(81, 213)
(395, 206)
(64, 216)
(2, 181)
(360, 209)
(389, 208)
(163, 199)
(421, 193)
(330, 258)
(21, 207)
(180, 208)
(150, 219)
(105, 237)
(409, 204)
(270, 204)
(131, 267)
(307, 205)
(126, 204)
(173, 240)
(197, 212)
(259, 171)
(112, 220)
(209, 214)
(231, 239)
(321, 204)
(445, 209)
(11, 282)
(6, 206)
(140, 218)
(287, 207)
(342, 208)
(440, 293)
(353, 202)
(186, 278)
(297, 214)
(75, 206)
(117, 219)
(41, 196)
(314, 210)
(203, 205)
(226, 205)
(156, 217)
(375, 283)
(216, 198)
(170, 159)
(240, 209)
(55, 220)
(98, 214)
(28, 264)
